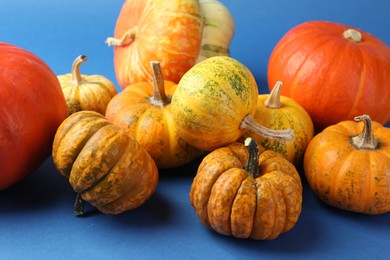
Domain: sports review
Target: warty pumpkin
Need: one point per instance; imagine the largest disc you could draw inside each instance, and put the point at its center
(334, 71)
(214, 104)
(103, 164)
(169, 32)
(279, 112)
(247, 192)
(143, 109)
(347, 166)
(86, 92)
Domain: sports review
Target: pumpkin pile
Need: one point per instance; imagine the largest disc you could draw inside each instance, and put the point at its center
(184, 97)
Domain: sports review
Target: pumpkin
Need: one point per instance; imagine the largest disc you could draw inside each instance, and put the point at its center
(335, 72)
(103, 164)
(278, 112)
(347, 166)
(86, 92)
(247, 192)
(214, 104)
(143, 109)
(218, 29)
(169, 32)
(32, 108)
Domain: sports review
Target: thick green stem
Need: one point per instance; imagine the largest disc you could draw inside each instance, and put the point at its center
(273, 101)
(252, 164)
(76, 75)
(159, 98)
(366, 139)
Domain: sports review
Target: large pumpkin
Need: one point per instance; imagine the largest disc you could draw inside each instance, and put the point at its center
(32, 107)
(241, 193)
(143, 109)
(214, 104)
(347, 166)
(169, 32)
(336, 72)
(104, 165)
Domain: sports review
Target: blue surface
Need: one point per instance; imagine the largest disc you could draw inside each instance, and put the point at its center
(36, 215)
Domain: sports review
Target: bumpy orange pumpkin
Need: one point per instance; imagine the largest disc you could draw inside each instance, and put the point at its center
(279, 112)
(335, 72)
(169, 32)
(143, 109)
(247, 194)
(104, 165)
(347, 166)
(86, 92)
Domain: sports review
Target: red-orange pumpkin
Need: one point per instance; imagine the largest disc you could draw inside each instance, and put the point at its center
(336, 72)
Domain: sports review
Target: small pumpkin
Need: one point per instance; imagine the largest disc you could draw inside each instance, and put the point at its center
(334, 71)
(103, 164)
(86, 92)
(169, 32)
(218, 29)
(247, 192)
(347, 166)
(143, 109)
(214, 104)
(279, 112)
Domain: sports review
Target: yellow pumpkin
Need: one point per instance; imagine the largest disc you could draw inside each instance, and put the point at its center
(279, 112)
(86, 92)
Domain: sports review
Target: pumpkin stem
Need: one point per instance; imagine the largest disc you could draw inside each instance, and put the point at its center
(159, 98)
(366, 139)
(78, 209)
(352, 35)
(252, 164)
(76, 76)
(127, 38)
(251, 125)
(273, 101)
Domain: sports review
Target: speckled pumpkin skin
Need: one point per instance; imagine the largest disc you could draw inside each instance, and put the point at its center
(227, 199)
(104, 164)
(211, 100)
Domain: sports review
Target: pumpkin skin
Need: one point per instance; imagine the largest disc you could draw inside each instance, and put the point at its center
(32, 107)
(143, 109)
(169, 32)
(86, 92)
(333, 77)
(103, 164)
(232, 202)
(347, 166)
(214, 104)
(280, 112)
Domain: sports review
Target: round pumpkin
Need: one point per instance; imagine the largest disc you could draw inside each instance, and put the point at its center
(86, 92)
(279, 112)
(247, 192)
(347, 166)
(32, 108)
(334, 71)
(169, 32)
(103, 164)
(214, 104)
(143, 109)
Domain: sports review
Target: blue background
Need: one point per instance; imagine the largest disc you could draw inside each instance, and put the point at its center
(36, 217)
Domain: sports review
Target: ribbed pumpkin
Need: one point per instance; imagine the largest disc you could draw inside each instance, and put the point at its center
(247, 194)
(347, 166)
(86, 92)
(214, 104)
(104, 165)
(143, 109)
(279, 112)
(335, 72)
(169, 32)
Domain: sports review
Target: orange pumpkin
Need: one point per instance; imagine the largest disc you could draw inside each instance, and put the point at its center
(336, 72)
(347, 166)
(143, 109)
(169, 32)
